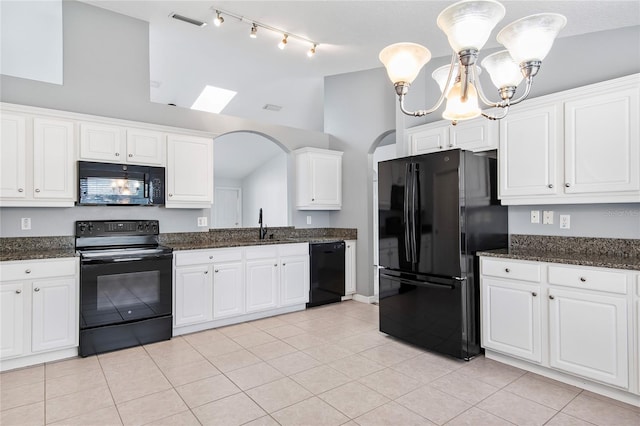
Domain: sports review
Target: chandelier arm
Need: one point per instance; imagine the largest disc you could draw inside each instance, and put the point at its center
(527, 90)
(443, 95)
(497, 117)
(481, 94)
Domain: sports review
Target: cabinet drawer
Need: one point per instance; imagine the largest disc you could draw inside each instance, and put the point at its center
(28, 270)
(201, 257)
(590, 279)
(510, 269)
(299, 249)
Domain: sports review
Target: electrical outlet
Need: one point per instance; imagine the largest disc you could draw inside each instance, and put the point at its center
(547, 218)
(535, 216)
(202, 221)
(565, 221)
(308, 220)
(25, 223)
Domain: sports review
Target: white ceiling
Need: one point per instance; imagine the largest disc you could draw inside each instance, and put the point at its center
(184, 58)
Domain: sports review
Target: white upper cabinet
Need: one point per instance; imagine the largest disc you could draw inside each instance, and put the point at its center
(528, 151)
(318, 179)
(37, 162)
(473, 135)
(117, 144)
(578, 146)
(189, 171)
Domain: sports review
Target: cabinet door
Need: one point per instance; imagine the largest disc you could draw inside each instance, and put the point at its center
(350, 267)
(429, 140)
(294, 280)
(588, 336)
(474, 135)
(11, 319)
(602, 143)
(53, 159)
(527, 153)
(261, 284)
(193, 295)
(326, 180)
(55, 314)
(145, 147)
(228, 290)
(511, 318)
(101, 142)
(13, 156)
(189, 171)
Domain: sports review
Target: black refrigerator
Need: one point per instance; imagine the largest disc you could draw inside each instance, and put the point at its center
(435, 212)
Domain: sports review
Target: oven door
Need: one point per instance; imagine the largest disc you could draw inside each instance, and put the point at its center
(123, 290)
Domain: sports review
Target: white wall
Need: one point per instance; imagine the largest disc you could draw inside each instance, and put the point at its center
(266, 188)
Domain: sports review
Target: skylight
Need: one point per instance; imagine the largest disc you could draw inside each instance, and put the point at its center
(213, 99)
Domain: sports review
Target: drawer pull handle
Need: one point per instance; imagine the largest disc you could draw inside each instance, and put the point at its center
(170, 195)
(20, 190)
(216, 271)
(18, 291)
(210, 257)
(284, 264)
(275, 264)
(130, 155)
(507, 270)
(550, 186)
(551, 296)
(567, 184)
(206, 272)
(36, 289)
(37, 190)
(583, 279)
(534, 294)
(117, 154)
(28, 271)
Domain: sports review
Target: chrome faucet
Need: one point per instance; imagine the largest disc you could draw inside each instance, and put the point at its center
(263, 229)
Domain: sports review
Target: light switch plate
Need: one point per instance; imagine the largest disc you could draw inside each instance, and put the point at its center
(535, 216)
(565, 221)
(202, 221)
(308, 220)
(547, 218)
(25, 223)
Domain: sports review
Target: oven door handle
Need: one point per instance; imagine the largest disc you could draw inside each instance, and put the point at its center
(124, 259)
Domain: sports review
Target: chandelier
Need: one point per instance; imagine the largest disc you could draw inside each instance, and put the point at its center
(468, 24)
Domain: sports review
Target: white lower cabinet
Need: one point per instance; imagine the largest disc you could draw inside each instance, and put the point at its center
(588, 335)
(564, 321)
(193, 295)
(38, 309)
(221, 286)
(350, 267)
(511, 318)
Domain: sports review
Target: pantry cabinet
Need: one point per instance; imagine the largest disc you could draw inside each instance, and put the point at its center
(318, 179)
(189, 172)
(578, 146)
(39, 309)
(37, 161)
(472, 135)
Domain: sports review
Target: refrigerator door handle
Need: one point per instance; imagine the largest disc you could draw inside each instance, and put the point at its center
(414, 205)
(417, 283)
(407, 231)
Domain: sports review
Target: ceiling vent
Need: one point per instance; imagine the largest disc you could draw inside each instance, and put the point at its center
(272, 107)
(188, 20)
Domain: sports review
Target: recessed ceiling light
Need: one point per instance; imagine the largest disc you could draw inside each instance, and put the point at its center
(213, 99)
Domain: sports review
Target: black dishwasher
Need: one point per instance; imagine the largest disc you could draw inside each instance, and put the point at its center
(327, 273)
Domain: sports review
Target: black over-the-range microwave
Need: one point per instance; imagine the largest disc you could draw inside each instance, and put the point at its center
(120, 184)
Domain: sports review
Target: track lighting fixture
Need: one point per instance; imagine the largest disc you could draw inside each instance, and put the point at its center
(283, 42)
(253, 33)
(218, 20)
(311, 51)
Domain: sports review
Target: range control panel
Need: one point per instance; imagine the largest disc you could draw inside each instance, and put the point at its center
(113, 228)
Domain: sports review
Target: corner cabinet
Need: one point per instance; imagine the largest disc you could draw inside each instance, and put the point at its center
(473, 135)
(39, 311)
(37, 160)
(189, 172)
(578, 146)
(318, 179)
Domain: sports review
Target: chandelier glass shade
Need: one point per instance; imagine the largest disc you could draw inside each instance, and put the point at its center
(468, 25)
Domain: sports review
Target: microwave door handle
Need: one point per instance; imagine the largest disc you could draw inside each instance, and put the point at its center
(147, 179)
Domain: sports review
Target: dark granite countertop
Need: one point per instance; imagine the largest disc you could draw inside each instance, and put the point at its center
(583, 259)
(597, 252)
(198, 245)
(36, 254)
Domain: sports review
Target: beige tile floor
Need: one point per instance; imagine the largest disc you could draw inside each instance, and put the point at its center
(324, 366)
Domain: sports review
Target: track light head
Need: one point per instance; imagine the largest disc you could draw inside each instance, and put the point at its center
(218, 20)
(254, 31)
(283, 43)
(312, 51)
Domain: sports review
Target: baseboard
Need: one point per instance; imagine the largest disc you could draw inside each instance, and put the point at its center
(365, 299)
